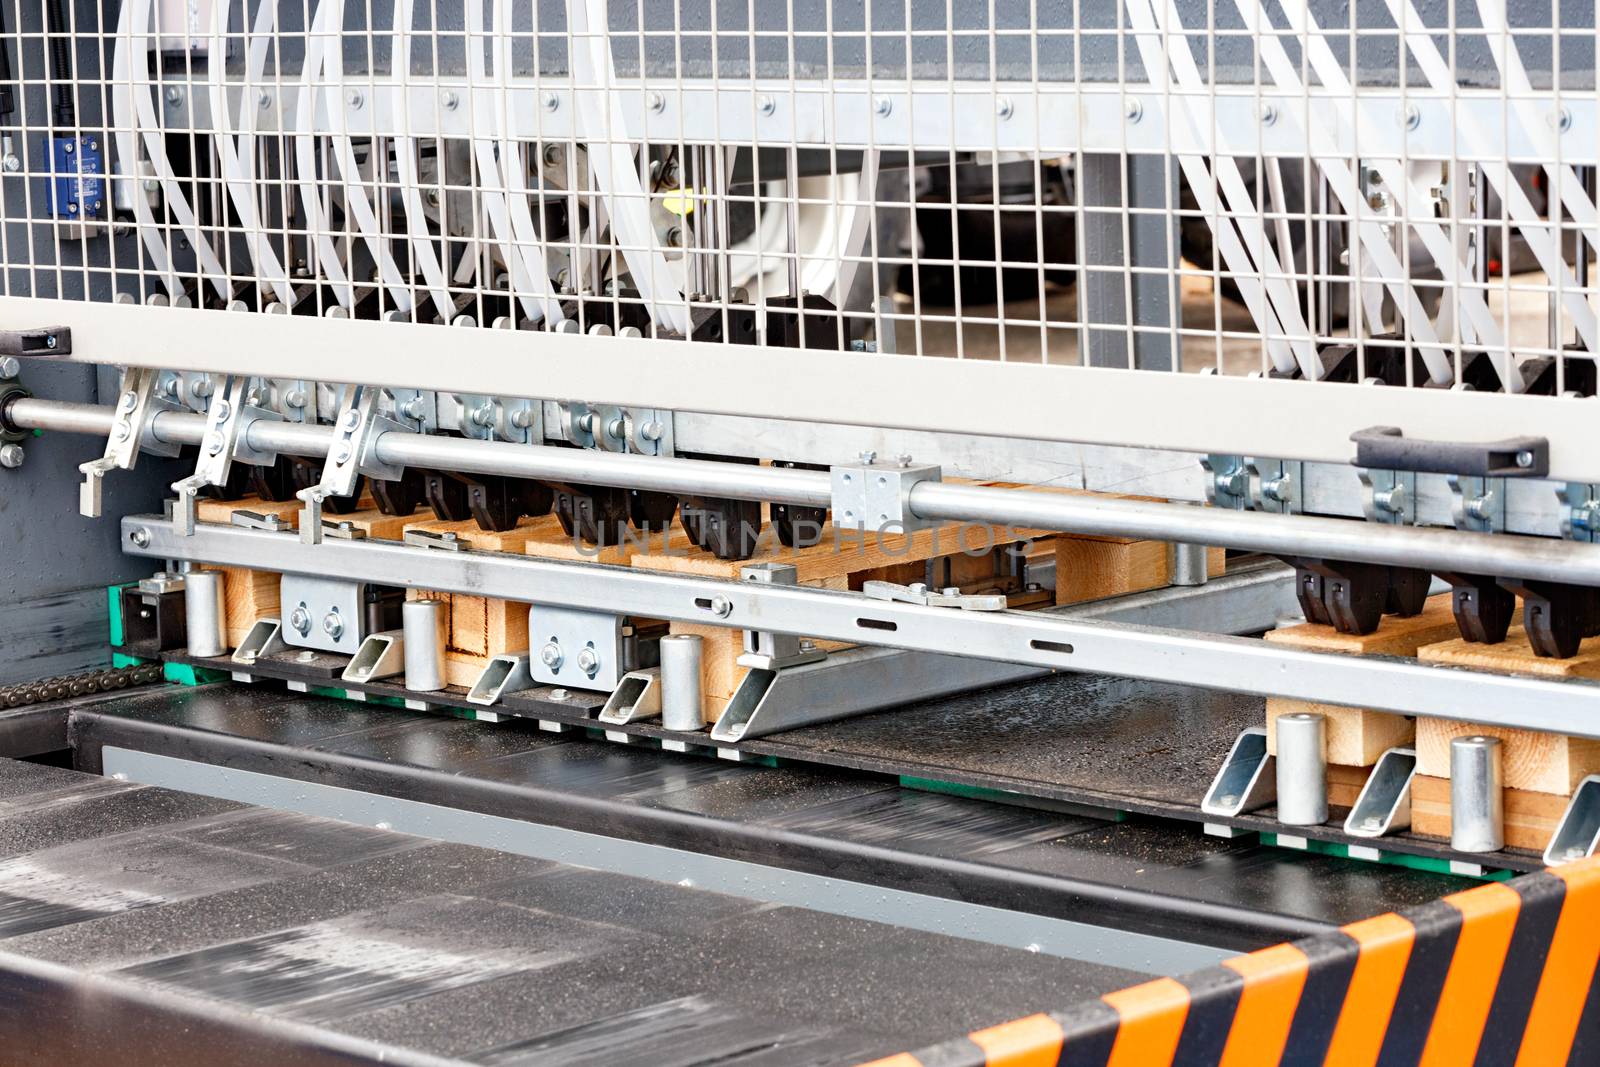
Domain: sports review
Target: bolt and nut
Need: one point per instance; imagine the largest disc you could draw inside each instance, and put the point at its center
(333, 625)
(552, 656)
(589, 661)
(10, 367)
(11, 456)
(300, 620)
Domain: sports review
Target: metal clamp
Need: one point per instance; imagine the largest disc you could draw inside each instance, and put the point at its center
(1478, 504)
(1276, 485)
(224, 419)
(446, 541)
(876, 496)
(949, 597)
(350, 454)
(137, 405)
(255, 520)
(772, 651)
(343, 529)
(1227, 481)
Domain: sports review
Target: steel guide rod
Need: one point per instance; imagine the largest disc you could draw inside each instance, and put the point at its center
(1428, 548)
(1244, 665)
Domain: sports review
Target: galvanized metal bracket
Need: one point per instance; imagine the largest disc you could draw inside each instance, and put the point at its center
(137, 406)
(1579, 830)
(1276, 485)
(588, 649)
(446, 541)
(381, 655)
(1390, 496)
(350, 454)
(1384, 804)
(255, 520)
(224, 419)
(772, 651)
(503, 674)
(1247, 779)
(265, 638)
(650, 431)
(637, 696)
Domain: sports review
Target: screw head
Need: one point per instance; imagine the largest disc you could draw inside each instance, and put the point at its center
(884, 106)
(1524, 459)
(450, 100)
(721, 607)
(296, 398)
(1412, 118)
(552, 102)
(140, 537)
(214, 443)
(522, 418)
(1133, 110)
(1269, 114)
(11, 456)
(333, 625)
(11, 163)
(589, 661)
(300, 620)
(484, 416)
(766, 105)
(652, 430)
(655, 102)
(1003, 108)
(356, 99)
(10, 366)
(174, 95)
(552, 656)
(350, 420)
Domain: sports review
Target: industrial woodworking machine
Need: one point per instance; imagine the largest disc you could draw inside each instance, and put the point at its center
(688, 532)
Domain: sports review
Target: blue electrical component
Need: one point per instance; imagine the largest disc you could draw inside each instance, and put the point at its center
(77, 184)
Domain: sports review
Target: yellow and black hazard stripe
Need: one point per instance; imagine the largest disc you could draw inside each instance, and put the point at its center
(1498, 974)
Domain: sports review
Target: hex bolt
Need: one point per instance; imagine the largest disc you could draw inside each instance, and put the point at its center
(350, 420)
(552, 656)
(140, 537)
(333, 625)
(214, 443)
(296, 398)
(300, 620)
(552, 155)
(11, 456)
(589, 661)
(1524, 459)
(721, 607)
(10, 367)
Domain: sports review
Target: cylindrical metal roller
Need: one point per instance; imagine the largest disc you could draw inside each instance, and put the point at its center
(1189, 563)
(1302, 769)
(1477, 794)
(682, 699)
(422, 623)
(205, 618)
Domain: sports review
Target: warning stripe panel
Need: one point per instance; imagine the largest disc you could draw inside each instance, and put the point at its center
(1497, 973)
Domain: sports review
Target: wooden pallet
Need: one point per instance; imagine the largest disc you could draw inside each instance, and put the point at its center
(1358, 736)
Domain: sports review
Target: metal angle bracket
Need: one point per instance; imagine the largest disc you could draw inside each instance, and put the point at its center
(587, 649)
(138, 402)
(265, 638)
(381, 655)
(446, 541)
(1384, 804)
(1579, 830)
(637, 696)
(503, 674)
(767, 650)
(224, 418)
(1246, 781)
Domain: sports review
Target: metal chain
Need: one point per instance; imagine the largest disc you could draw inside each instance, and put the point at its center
(77, 685)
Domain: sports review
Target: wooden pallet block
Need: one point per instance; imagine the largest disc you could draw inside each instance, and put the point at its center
(1531, 817)
(221, 511)
(247, 596)
(1532, 760)
(1358, 736)
(552, 542)
(374, 524)
(1096, 568)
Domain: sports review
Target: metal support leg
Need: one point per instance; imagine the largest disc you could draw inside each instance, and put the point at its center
(1152, 240)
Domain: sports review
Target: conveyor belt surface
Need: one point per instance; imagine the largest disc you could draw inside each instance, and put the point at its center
(148, 926)
(1144, 875)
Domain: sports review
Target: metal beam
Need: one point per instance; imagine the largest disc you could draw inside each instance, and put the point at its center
(1244, 665)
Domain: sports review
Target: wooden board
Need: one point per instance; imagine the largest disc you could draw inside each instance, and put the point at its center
(1358, 736)
(1531, 818)
(375, 524)
(1096, 568)
(480, 540)
(1531, 760)
(552, 542)
(839, 552)
(1515, 655)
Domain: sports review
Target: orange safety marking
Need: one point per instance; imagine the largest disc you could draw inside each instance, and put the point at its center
(1031, 1042)
(1273, 980)
(1385, 946)
(1488, 916)
(1568, 969)
(1152, 1018)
